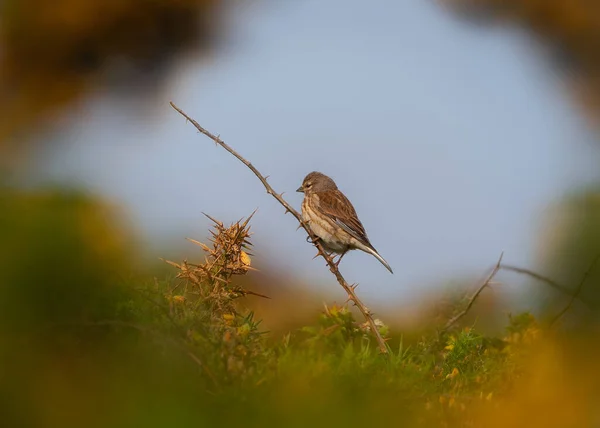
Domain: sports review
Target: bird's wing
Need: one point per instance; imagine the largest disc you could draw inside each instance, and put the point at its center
(336, 206)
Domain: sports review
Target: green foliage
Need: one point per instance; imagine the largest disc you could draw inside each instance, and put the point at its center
(465, 354)
(570, 245)
(88, 343)
(58, 258)
(520, 323)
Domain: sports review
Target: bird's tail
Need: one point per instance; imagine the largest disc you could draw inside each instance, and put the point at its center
(374, 252)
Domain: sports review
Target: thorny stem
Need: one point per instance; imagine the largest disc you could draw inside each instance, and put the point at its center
(330, 263)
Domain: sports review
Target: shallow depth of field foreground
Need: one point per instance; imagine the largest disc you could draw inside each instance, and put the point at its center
(89, 341)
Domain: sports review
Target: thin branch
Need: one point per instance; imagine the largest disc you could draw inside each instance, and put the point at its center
(288, 208)
(539, 277)
(472, 299)
(577, 291)
(543, 279)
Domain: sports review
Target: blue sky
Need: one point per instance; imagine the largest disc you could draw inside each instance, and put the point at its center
(450, 140)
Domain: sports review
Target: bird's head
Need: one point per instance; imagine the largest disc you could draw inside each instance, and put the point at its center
(316, 182)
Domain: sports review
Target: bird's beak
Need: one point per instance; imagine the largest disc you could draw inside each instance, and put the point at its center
(300, 189)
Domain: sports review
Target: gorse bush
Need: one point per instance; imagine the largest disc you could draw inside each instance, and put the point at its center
(203, 301)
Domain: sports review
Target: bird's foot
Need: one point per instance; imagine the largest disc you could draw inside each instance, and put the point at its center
(336, 263)
(311, 240)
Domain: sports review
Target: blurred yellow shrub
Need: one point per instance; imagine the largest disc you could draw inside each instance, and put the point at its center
(54, 52)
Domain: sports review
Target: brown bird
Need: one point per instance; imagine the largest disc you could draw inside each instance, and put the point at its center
(331, 217)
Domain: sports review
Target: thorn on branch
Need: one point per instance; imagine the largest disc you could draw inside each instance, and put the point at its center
(310, 239)
(217, 222)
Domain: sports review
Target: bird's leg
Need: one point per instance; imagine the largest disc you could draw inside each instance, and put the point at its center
(340, 259)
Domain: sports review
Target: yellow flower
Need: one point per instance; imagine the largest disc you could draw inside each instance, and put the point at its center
(179, 299)
(245, 258)
(454, 373)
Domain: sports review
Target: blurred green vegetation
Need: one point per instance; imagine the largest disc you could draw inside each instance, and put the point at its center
(58, 252)
(88, 339)
(568, 248)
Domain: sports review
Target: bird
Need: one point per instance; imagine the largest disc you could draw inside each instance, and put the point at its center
(332, 218)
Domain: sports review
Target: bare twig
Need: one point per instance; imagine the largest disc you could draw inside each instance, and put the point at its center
(472, 299)
(577, 291)
(288, 208)
(243, 292)
(539, 277)
(543, 279)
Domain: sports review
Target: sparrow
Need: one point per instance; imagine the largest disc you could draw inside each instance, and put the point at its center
(330, 215)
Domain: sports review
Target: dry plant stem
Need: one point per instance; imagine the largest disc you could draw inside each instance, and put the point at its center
(577, 291)
(539, 277)
(330, 263)
(487, 281)
(543, 279)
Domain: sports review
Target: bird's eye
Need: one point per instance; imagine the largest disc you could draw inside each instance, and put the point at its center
(307, 185)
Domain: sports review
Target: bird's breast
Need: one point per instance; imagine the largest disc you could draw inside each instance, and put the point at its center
(332, 236)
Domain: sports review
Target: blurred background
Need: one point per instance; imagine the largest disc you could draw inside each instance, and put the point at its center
(458, 128)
